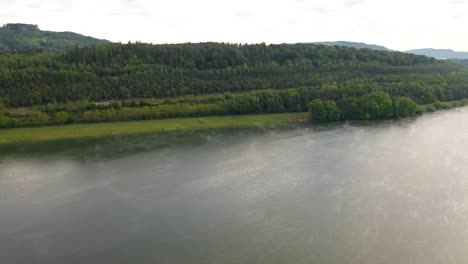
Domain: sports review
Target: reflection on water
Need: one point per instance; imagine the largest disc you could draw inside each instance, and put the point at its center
(384, 192)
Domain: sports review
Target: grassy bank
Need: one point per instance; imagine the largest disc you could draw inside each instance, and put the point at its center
(443, 105)
(16, 135)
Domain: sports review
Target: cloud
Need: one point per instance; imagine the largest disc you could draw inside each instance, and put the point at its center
(459, 16)
(352, 3)
(457, 2)
(242, 14)
(323, 9)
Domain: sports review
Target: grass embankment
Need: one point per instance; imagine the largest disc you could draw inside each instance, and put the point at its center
(30, 134)
(443, 105)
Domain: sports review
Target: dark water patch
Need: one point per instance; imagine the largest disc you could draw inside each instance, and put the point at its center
(117, 146)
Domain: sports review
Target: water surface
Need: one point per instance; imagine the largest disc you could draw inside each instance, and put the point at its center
(372, 192)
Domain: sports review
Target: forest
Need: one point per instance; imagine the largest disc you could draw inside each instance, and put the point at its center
(137, 81)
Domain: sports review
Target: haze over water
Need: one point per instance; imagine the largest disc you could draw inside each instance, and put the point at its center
(372, 192)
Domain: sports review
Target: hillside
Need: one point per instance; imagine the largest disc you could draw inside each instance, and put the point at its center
(138, 70)
(25, 38)
(138, 81)
(358, 45)
(441, 53)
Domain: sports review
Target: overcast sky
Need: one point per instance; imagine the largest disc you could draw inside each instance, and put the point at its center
(397, 24)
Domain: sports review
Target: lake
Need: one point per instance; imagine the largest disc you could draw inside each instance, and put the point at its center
(356, 192)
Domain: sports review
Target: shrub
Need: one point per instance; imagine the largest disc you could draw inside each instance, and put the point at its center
(404, 107)
(322, 111)
(62, 117)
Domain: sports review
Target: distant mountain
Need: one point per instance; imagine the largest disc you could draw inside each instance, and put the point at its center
(358, 45)
(440, 53)
(30, 39)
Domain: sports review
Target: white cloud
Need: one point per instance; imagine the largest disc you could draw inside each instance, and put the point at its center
(398, 24)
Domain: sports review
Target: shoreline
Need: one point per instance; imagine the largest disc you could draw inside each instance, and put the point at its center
(94, 130)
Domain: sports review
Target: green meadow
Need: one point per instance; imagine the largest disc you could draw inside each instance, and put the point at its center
(31, 134)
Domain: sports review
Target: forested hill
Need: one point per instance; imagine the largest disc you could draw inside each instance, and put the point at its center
(123, 71)
(30, 39)
(358, 45)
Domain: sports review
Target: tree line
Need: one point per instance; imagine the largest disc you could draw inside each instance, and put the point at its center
(371, 106)
(137, 70)
(360, 106)
(100, 83)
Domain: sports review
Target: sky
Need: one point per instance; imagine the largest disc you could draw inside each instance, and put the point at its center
(396, 24)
